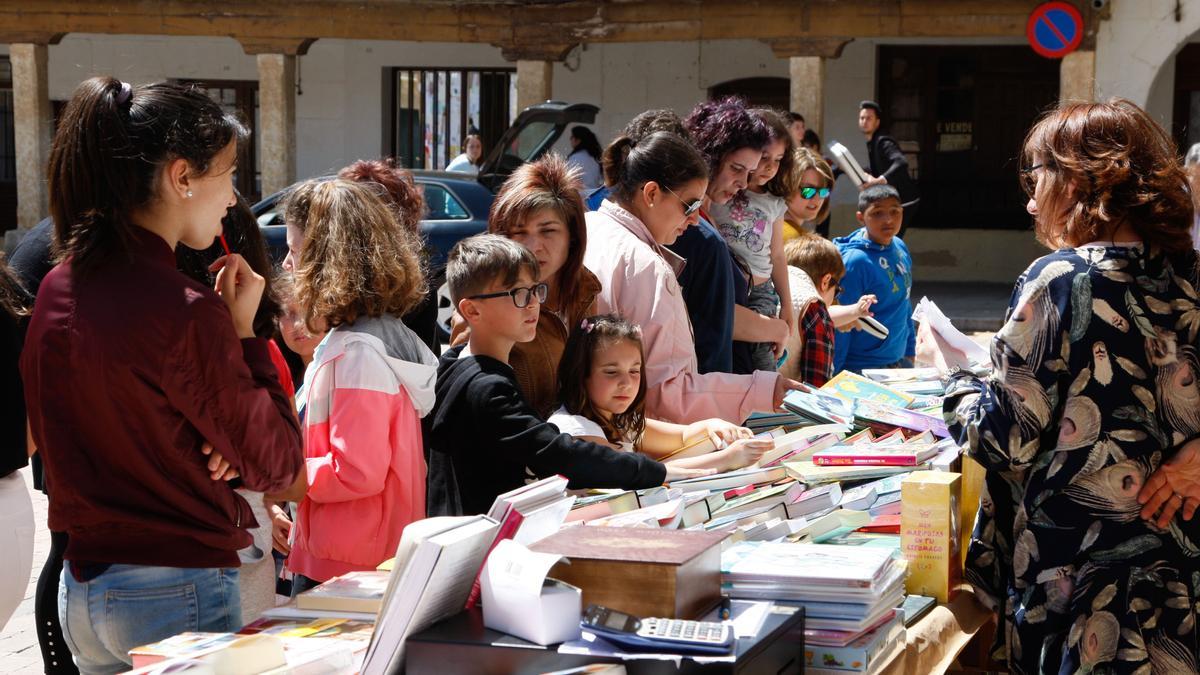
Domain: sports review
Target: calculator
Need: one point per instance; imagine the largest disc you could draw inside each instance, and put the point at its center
(658, 635)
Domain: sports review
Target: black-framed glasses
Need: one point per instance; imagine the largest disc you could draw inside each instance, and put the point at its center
(1028, 170)
(520, 296)
(808, 192)
(689, 208)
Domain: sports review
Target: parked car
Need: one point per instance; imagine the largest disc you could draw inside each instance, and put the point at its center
(457, 204)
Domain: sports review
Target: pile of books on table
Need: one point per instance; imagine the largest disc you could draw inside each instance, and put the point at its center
(815, 521)
(850, 595)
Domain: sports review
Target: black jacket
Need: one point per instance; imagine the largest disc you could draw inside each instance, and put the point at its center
(888, 160)
(482, 435)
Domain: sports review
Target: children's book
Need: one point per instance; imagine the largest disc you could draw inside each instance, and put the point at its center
(818, 406)
(885, 417)
(732, 479)
(853, 387)
(900, 454)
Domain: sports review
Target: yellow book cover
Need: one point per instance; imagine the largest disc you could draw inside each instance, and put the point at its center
(929, 532)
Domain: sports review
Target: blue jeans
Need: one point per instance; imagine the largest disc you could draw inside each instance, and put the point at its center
(129, 606)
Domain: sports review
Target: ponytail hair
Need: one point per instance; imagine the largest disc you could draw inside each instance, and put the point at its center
(661, 157)
(110, 147)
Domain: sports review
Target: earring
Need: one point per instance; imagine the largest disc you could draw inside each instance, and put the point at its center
(189, 193)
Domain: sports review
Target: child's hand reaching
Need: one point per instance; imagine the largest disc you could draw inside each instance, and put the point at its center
(863, 306)
(748, 451)
(675, 472)
(720, 432)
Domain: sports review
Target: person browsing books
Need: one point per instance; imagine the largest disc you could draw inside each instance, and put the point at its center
(357, 271)
(877, 263)
(816, 268)
(751, 223)
(659, 183)
(161, 371)
(540, 208)
(483, 436)
(604, 401)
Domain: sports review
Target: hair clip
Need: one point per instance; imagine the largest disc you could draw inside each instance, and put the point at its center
(586, 325)
(125, 94)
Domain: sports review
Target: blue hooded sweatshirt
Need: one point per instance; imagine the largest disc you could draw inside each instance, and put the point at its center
(885, 271)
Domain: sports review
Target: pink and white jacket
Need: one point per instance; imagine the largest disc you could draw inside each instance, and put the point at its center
(638, 281)
(364, 395)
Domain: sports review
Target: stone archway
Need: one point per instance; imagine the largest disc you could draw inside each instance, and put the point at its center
(1137, 39)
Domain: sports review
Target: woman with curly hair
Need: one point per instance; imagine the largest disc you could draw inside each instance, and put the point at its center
(406, 198)
(357, 271)
(1095, 383)
(731, 139)
(540, 207)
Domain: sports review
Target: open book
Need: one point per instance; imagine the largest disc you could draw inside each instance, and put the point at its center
(432, 578)
(845, 160)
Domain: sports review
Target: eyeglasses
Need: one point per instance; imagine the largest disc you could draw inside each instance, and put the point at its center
(689, 208)
(520, 296)
(838, 290)
(1029, 176)
(808, 192)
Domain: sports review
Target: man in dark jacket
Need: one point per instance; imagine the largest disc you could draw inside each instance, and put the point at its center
(888, 164)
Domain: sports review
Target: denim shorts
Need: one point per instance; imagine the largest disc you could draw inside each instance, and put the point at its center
(128, 606)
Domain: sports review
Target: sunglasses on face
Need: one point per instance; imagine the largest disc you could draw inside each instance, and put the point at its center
(808, 192)
(520, 296)
(688, 207)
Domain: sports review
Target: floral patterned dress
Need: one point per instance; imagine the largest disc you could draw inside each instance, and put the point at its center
(1095, 382)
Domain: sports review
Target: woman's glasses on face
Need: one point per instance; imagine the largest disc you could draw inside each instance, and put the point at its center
(520, 296)
(808, 192)
(689, 208)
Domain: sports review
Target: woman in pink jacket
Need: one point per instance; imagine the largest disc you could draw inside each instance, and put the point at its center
(369, 385)
(658, 186)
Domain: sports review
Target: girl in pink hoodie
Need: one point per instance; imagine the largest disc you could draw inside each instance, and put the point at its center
(369, 384)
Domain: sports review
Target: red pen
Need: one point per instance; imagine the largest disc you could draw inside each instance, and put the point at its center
(224, 244)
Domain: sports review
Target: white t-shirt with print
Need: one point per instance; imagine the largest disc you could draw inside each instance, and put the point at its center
(747, 223)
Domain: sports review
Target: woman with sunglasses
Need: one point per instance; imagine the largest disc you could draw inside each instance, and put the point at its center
(540, 208)
(658, 186)
(809, 205)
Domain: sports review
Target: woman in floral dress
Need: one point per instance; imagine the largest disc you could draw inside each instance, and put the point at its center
(1095, 385)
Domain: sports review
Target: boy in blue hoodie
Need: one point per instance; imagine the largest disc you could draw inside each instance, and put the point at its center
(877, 262)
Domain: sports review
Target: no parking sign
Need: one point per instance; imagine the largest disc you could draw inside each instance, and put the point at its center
(1055, 29)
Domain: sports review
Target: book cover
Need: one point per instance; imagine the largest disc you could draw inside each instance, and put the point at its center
(929, 530)
(814, 564)
(353, 592)
(853, 387)
(770, 494)
(887, 416)
(847, 163)
(818, 406)
(876, 455)
(862, 654)
(732, 479)
(811, 474)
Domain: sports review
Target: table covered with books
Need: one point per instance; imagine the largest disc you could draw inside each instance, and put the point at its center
(859, 515)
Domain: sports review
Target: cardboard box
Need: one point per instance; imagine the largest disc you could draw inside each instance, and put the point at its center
(930, 532)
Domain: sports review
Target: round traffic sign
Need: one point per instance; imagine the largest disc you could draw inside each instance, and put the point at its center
(1055, 29)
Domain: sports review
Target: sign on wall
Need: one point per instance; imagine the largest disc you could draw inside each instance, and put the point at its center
(1054, 29)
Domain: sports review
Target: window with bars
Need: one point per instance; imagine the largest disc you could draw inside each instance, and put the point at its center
(433, 109)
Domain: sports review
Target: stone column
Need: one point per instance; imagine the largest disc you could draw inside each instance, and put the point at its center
(276, 121)
(535, 80)
(807, 75)
(806, 69)
(1077, 76)
(33, 126)
(276, 129)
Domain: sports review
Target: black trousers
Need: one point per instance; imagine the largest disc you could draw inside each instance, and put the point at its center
(55, 656)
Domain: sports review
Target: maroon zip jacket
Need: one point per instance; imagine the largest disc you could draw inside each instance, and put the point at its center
(127, 372)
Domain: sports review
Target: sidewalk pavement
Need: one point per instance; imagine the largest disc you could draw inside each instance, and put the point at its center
(971, 307)
(19, 651)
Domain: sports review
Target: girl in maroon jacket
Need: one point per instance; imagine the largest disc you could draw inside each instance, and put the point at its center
(134, 372)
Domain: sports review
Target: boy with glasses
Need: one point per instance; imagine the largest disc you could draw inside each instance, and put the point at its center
(482, 437)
